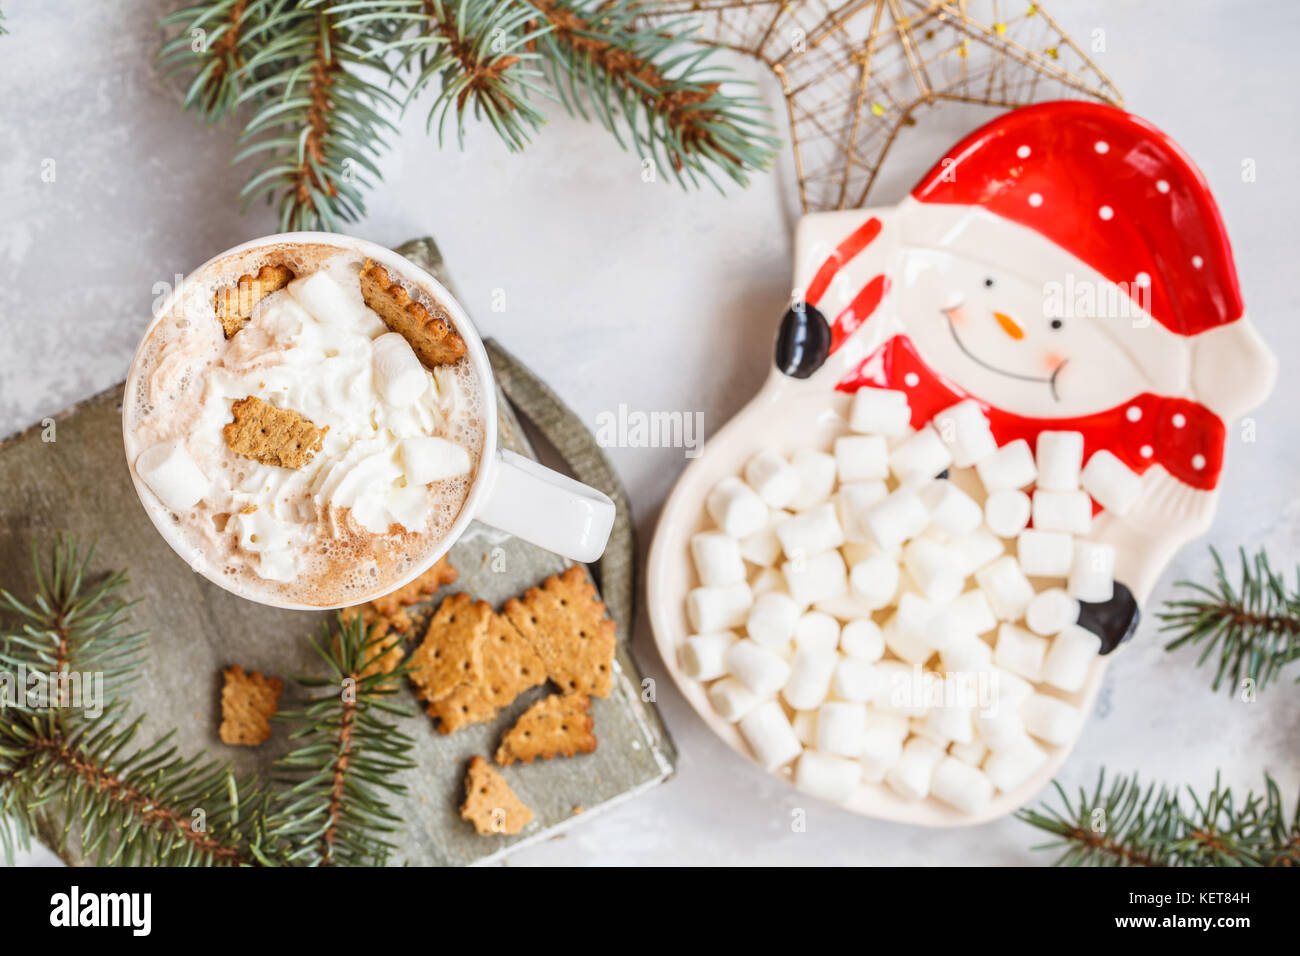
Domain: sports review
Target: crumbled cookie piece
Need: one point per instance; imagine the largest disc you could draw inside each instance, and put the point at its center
(432, 337)
(248, 702)
(270, 435)
(234, 304)
(490, 804)
(452, 651)
(568, 628)
(510, 667)
(555, 725)
(393, 605)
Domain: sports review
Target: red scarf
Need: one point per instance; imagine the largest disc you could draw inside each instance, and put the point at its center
(1174, 432)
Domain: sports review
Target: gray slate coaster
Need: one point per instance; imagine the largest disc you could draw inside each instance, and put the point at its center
(79, 483)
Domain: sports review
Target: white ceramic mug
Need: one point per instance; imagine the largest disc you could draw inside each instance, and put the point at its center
(511, 493)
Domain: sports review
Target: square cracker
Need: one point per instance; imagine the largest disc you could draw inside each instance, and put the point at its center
(452, 651)
(248, 702)
(433, 337)
(555, 725)
(270, 435)
(490, 804)
(510, 667)
(234, 304)
(568, 628)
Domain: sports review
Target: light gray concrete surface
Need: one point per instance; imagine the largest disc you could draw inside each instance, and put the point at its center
(617, 291)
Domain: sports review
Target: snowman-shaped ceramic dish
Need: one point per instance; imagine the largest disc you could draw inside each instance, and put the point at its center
(1066, 267)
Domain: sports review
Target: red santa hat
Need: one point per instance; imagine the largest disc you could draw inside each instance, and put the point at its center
(1119, 195)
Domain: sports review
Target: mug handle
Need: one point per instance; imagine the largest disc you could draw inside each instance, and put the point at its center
(546, 508)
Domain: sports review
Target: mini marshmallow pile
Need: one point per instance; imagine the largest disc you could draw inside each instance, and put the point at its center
(867, 620)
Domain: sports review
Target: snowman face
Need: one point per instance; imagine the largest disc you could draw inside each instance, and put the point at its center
(1009, 341)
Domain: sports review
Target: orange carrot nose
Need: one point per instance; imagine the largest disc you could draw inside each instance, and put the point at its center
(1009, 326)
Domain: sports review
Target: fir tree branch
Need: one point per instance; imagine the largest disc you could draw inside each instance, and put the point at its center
(335, 811)
(1252, 627)
(654, 85)
(1127, 825)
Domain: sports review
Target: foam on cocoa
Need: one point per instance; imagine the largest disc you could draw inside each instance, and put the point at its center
(171, 397)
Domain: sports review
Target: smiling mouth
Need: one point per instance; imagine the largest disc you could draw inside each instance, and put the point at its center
(1049, 381)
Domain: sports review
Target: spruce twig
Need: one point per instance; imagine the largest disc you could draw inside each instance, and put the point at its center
(1251, 628)
(335, 810)
(83, 776)
(1126, 824)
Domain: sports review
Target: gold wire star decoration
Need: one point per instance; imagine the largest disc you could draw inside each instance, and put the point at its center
(855, 73)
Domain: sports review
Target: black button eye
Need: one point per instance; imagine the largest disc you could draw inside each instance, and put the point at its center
(1057, 323)
(988, 282)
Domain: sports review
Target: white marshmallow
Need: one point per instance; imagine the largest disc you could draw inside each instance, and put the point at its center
(429, 458)
(766, 580)
(879, 411)
(732, 699)
(325, 299)
(851, 501)
(840, 728)
(1059, 456)
(1007, 512)
(952, 511)
(398, 375)
(1068, 511)
(911, 775)
(1020, 652)
(966, 656)
(894, 519)
(704, 656)
(1051, 720)
(816, 478)
(719, 609)
(974, 609)
(762, 671)
(1010, 467)
(881, 749)
(763, 547)
(811, 532)
(978, 549)
(1008, 687)
(903, 688)
(861, 457)
(816, 578)
(1045, 554)
(172, 475)
(971, 754)
(810, 678)
(1011, 767)
(902, 635)
(1070, 657)
(950, 721)
(770, 736)
(1111, 482)
(717, 559)
(1092, 575)
(961, 786)
(846, 607)
(965, 430)
(1051, 611)
(875, 580)
(863, 640)
(805, 727)
(895, 725)
(1006, 587)
(774, 479)
(856, 680)
(772, 620)
(826, 776)
(855, 552)
(945, 628)
(935, 569)
(1000, 727)
(919, 457)
(736, 508)
(817, 631)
